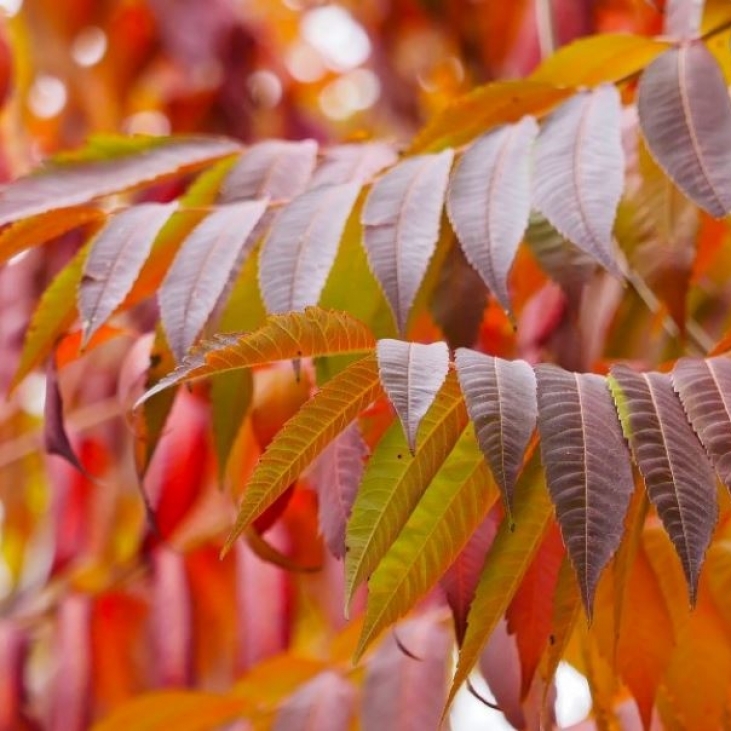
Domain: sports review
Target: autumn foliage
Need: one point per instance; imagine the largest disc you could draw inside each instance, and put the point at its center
(420, 350)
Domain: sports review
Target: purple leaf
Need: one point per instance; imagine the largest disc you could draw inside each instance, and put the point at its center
(274, 169)
(325, 703)
(501, 401)
(704, 387)
(678, 477)
(201, 269)
(489, 201)
(299, 252)
(401, 220)
(579, 171)
(60, 186)
(401, 693)
(117, 254)
(412, 374)
(353, 163)
(685, 115)
(337, 474)
(588, 468)
(683, 18)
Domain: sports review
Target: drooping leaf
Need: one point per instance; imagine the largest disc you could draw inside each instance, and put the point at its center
(353, 163)
(402, 692)
(704, 387)
(506, 563)
(579, 171)
(336, 474)
(685, 114)
(304, 437)
(231, 394)
(489, 201)
(116, 256)
(61, 186)
(276, 169)
(599, 59)
(327, 703)
(501, 400)
(299, 252)
(588, 468)
(394, 481)
(683, 18)
(201, 269)
(412, 374)
(449, 512)
(311, 333)
(401, 220)
(678, 477)
(44, 227)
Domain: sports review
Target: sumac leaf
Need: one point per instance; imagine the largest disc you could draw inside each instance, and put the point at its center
(683, 18)
(353, 163)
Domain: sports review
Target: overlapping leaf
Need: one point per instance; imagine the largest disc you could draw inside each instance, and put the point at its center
(579, 171)
(685, 115)
(412, 374)
(201, 269)
(683, 18)
(501, 400)
(304, 437)
(353, 163)
(588, 468)
(451, 509)
(117, 254)
(679, 479)
(299, 252)
(61, 186)
(394, 482)
(704, 387)
(401, 220)
(489, 201)
(311, 333)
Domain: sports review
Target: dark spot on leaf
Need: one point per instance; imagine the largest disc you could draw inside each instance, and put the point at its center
(551, 639)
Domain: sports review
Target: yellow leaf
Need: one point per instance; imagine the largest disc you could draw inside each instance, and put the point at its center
(452, 508)
(599, 59)
(304, 436)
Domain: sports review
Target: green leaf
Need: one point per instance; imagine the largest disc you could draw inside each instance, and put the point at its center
(231, 394)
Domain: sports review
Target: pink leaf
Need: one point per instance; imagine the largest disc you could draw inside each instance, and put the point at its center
(13, 654)
(579, 171)
(353, 163)
(489, 201)
(275, 169)
(299, 252)
(683, 18)
(685, 115)
(117, 254)
(412, 374)
(337, 474)
(401, 220)
(201, 269)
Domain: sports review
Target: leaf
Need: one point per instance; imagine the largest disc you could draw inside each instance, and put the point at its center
(61, 186)
(685, 114)
(406, 693)
(683, 18)
(337, 473)
(400, 221)
(506, 563)
(598, 59)
(115, 259)
(678, 477)
(450, 511)
(579, 171)
(201, 268)
(186, 710)
(412, 374)
(704, 388)
(501, 401)
(44, 227)
(311, 333)
(276, 169)
(394, 481)
(231, 395)
(297, 256)
(353, 163)
(489, 201)
(588, 468)
(325, 703)
(304, 436)
(502, 102)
